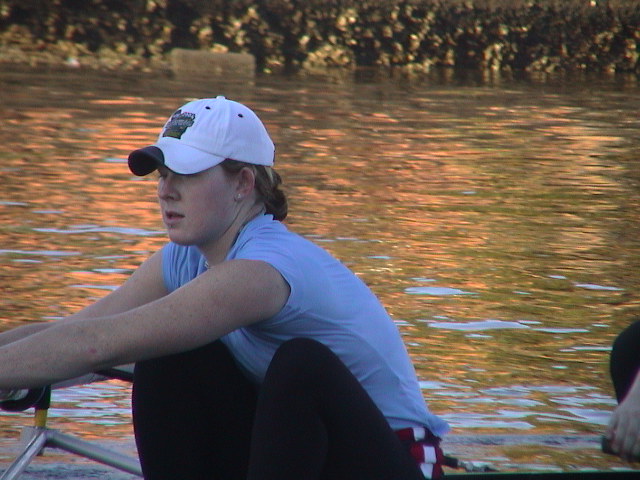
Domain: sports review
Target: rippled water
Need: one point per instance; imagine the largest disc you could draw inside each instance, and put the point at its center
(497, 220)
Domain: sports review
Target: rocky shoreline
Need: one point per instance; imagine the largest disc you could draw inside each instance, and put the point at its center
(297, 35)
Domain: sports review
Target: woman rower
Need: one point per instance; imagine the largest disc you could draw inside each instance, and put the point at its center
(258, 355)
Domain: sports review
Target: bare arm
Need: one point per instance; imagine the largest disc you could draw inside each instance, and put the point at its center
(23, 331)
(144, 285)
(233, 294)
(624, 426)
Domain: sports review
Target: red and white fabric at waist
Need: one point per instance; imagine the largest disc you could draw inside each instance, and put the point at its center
(424, 447)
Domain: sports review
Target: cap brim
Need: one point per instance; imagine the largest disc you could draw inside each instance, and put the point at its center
(145, 160)
(179, 158)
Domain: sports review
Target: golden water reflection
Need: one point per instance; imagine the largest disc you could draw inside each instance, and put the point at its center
(497, 223)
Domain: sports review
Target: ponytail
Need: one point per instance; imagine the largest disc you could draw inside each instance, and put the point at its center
(268, 183)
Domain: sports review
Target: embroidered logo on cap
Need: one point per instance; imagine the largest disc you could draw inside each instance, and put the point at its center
(178, 124)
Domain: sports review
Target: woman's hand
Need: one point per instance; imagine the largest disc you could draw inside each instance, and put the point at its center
(623, 432)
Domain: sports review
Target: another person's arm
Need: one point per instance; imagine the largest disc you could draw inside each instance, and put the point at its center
(233, 294)
(624, 427)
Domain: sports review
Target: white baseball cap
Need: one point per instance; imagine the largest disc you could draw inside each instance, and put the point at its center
(203, 133)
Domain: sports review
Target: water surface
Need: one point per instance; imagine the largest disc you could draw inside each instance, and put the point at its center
(496, 220)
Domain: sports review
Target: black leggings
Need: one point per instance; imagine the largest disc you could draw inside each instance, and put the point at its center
(625, 359)
(196, 417)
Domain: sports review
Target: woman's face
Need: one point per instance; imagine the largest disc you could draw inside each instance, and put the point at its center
(197, 209)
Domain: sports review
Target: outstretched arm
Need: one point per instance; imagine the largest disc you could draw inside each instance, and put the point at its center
(143, 286)
(231, 295)
(624, 427)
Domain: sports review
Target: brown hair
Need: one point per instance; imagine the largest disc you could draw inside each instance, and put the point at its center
(267, 185)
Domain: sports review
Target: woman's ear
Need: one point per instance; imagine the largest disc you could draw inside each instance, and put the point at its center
(246, 179)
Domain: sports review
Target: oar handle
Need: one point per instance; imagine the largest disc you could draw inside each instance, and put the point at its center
(33, 397)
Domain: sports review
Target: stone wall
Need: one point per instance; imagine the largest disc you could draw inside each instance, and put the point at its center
(416, 35)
